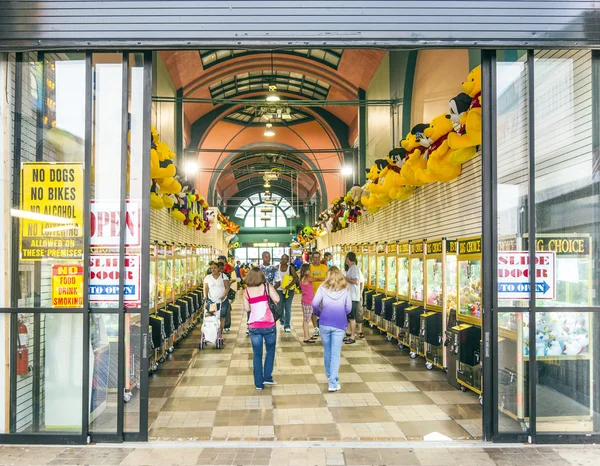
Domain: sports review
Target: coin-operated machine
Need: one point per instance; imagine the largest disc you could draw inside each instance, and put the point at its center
(467, 338)
(380, 287)
(412, 315)
(403, 286)
(391, 278)
(440, 286)
(370, 273)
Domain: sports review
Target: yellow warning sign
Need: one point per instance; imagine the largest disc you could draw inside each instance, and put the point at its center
(67, 286)
(51, 211)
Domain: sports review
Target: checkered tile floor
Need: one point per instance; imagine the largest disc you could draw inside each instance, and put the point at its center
(210, 394)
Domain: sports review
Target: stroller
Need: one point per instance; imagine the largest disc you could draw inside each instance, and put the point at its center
(211, 325)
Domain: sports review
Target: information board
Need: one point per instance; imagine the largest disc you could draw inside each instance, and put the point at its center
(51, 213)
(104, 279)
(67, 285)
(513, 275)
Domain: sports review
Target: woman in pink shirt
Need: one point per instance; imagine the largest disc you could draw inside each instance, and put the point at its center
(308, 294)
(261, 325)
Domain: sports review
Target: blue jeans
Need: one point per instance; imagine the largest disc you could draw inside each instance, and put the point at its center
(269, 336)
(332, 339)
(285, 306)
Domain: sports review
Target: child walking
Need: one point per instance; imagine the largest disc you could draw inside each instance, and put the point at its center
(308, 295)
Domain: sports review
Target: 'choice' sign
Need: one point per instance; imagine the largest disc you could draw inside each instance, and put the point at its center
(513, 275)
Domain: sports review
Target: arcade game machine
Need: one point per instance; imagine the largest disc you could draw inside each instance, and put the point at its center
(391, 278)
(412, 315)
(450, 321)
(564, 343)
(371, 283)
(438, 268)
(157, 324)
(380, 288)
(467, 332)
(403, 286)
(367, 301)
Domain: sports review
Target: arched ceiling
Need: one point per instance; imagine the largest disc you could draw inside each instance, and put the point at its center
(315, 137)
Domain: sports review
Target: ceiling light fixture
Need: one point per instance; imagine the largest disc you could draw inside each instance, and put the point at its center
(269, 130)
(267, 184)
(272, 95)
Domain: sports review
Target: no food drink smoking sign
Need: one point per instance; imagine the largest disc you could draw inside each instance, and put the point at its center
(513, 275)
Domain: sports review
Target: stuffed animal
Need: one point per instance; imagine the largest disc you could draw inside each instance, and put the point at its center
(356, 193)
(439, 167)
(416, 144)
(469, 135)
(397, 190)
(156, 200)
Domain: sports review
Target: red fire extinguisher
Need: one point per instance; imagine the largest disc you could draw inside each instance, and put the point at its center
(22, 351)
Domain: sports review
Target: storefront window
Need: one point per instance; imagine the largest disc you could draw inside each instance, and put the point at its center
(567, 231)
(49, 180)
(105, 205)
(48, 373)
(512, 164)
(566, 170)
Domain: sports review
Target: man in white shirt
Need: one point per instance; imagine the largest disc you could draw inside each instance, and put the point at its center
(353, 277)
(216, 287)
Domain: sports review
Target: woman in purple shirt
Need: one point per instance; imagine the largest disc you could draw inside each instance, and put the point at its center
(332, 304)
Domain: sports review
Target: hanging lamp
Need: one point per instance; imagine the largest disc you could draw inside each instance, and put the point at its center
(272, 96)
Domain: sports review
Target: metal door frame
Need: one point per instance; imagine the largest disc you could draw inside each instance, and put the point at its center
(84, 437)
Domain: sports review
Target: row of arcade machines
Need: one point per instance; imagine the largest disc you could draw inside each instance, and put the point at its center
(426, 294)
(176, 275)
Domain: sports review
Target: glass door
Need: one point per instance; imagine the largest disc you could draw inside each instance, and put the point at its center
(77, 327)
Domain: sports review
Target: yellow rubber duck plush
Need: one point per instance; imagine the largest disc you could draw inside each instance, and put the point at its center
(469, 135)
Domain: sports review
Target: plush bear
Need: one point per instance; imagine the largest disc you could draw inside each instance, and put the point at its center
(416, 144)
(156, 200)
(439, 167)
(469, 135)
(356, 193)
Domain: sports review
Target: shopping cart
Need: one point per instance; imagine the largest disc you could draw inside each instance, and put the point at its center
(211, 326)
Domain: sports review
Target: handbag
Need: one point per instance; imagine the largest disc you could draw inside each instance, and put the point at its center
(274, 308)
(231, 295)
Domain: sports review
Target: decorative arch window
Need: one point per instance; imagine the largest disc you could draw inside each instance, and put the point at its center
(265, 211)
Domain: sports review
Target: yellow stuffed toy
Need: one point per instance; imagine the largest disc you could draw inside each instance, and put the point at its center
(397, 190)
(416, 144)
(439, 167)
(469, 136)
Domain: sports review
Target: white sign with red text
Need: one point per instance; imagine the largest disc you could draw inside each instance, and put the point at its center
(105, 224)
(513, 275)
(104, 279)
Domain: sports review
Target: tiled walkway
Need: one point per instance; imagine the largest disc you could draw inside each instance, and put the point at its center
(227, 454)
(210, 394)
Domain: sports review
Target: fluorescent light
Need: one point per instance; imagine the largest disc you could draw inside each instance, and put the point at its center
(191, 167)
(269, 130)
(39, 217)
(347, 170)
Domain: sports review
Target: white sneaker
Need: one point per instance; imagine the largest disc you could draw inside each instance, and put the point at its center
(336, 388)
(270, 383)
(316, 333)
(258, 388)
(288, 330)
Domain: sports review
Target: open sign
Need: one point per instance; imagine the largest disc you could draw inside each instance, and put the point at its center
(105, 224)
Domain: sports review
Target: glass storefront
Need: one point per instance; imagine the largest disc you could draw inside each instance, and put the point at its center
(76, 327)
(547, 172)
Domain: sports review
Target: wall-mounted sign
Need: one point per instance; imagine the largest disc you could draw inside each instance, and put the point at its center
(104, 279)
(105, 224)
(51, 211)
(513, 275)
(67, 285)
